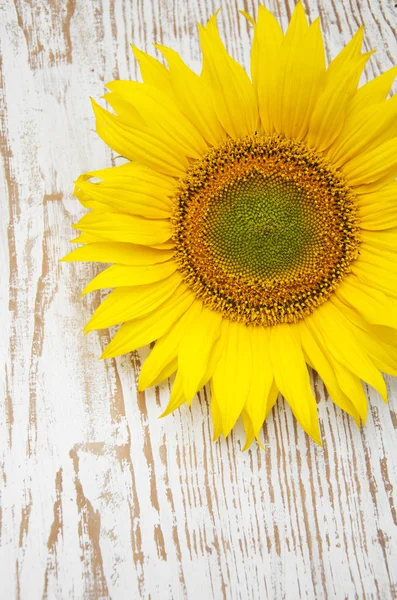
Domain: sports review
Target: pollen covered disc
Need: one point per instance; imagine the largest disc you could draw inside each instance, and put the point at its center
(265, 229)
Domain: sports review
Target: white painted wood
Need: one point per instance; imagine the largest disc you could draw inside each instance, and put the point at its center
(99, 498)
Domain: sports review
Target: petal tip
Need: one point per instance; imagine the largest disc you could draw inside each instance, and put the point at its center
(142, 386)
(245, 14)
(165, 414)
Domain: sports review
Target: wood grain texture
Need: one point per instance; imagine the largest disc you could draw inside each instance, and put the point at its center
(99, 498)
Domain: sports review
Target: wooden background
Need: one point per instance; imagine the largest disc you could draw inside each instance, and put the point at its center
(99, 498)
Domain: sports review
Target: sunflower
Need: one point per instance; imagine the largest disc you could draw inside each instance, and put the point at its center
(253, 229)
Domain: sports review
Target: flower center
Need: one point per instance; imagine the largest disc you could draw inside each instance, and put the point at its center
(265, 229)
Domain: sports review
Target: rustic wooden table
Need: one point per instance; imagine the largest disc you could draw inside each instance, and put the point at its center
(99, 498)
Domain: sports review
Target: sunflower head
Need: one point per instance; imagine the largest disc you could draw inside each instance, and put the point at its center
(253, 228)
(264, 230)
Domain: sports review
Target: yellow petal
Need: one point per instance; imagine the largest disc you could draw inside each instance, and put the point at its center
(281, 98)
(86, 238)
(149, 180)
(139, 332)
(164, 246)
(382, 216)
(319, 361)
(232, 92)
(384, 334)
(352, 387)
(349, 384)
(89, 238)
(169, 369)
(121, 199)
(341, 343)
(249, 430)
(126, 275)
(383, 240)
(368, 201)
(299, 76)
(216, 415)
(380, 348)
(347, 54)
(194, 97)
(126, 303)
(376, 277)
(125, 228)
(259, 396)
(373, 305)
(327, 119)
(162, 117)
(126, 191)
(298, 25)
(195, 349)
(213, 359)
(118, 252)
(124, 109)
(377, 165)
(292, 377)
(340, 84)
(271, 401)
(374, 91)
(153, 71)
(365, 131)
(90, 204)
(304, 80)
(165, 351)
(266, 44)
(138, 144)
(177, 397)
(232, 376)
(379, 257)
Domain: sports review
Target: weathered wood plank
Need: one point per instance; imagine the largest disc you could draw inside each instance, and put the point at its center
(99, 498)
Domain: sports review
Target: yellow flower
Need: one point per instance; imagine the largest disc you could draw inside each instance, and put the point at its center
(254, 229)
